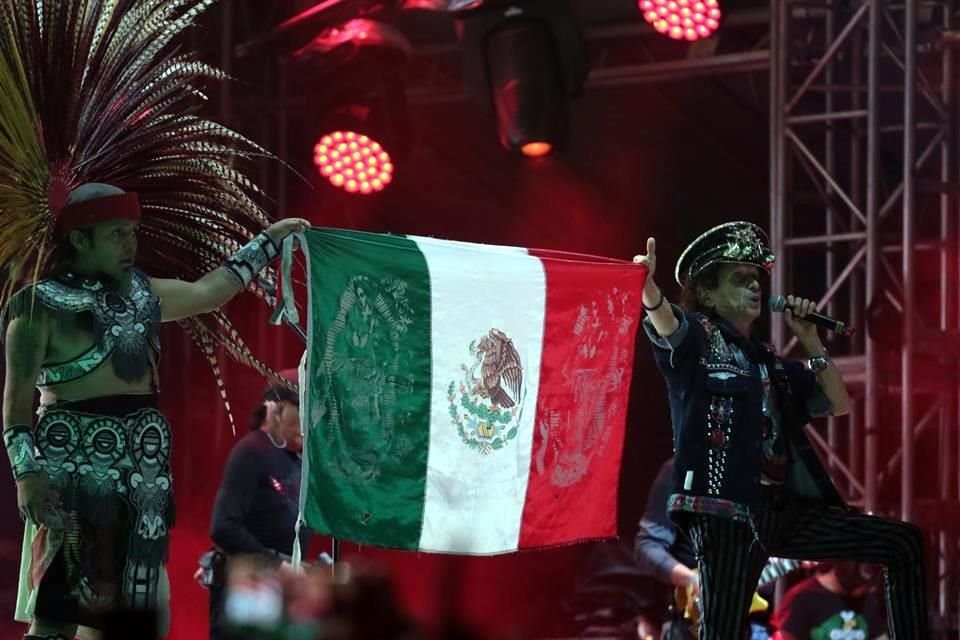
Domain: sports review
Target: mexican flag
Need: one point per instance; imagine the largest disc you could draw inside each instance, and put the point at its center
(463, 398)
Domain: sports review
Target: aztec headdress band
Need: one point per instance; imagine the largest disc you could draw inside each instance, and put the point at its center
(121, 206)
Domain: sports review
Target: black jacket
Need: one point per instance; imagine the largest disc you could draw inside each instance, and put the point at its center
(716, 395)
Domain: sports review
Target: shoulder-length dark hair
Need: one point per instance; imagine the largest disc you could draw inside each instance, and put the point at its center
(709, 278)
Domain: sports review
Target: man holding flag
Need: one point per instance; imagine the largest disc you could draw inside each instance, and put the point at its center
(747, 484)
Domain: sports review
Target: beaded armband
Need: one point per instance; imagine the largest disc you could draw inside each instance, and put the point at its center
(19, 442)
(252, 258)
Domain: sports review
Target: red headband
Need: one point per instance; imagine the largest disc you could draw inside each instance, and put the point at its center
(122, 206)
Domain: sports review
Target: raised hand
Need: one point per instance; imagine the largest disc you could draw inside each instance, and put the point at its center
(650, 259)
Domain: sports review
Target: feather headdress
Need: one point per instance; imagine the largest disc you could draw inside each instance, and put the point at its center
(97, 91)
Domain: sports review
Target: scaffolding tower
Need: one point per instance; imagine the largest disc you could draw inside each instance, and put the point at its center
(864, 179)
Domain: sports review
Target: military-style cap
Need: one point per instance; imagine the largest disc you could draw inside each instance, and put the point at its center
(731, 242)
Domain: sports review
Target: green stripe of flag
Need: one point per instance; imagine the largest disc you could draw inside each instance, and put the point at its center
(370, 362)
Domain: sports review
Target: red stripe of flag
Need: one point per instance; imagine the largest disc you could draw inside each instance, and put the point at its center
(592, 317)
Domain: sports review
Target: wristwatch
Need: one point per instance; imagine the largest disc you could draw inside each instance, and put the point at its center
(819, 363)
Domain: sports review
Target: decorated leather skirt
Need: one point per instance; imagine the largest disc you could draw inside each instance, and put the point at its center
(109, 460)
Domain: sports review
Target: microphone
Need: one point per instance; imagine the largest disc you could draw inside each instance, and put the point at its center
(779, 305)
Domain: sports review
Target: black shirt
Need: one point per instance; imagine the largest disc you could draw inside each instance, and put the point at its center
(811, 612)
(257, 503)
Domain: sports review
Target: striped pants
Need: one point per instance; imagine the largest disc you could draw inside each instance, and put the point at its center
(732, 554)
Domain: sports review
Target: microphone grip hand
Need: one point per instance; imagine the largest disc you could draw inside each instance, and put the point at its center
(802, 316)
(797, 315)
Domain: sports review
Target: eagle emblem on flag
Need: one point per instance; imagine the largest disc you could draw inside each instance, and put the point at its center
(486, 408)
(501, 366)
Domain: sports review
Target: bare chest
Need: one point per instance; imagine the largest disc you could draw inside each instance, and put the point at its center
(71, 340)
(71, 335)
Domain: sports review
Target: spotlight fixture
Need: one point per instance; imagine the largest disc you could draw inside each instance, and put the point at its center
(688, 20)
(523, 60)
(536, 149)
(353, 162)
(362, 122)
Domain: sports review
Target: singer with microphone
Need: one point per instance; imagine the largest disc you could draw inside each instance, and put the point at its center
(747, 483)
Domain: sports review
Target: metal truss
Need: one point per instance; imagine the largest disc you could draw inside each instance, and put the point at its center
(864, 172)
(621, 55)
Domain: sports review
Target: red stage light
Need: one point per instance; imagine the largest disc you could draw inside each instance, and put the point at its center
(536, 149)
(682, 19)
(353, 162)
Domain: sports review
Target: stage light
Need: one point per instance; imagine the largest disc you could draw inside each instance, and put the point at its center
(523, 60)
(682, 19)
(361, 122)
(353, 162)
(536, 149)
